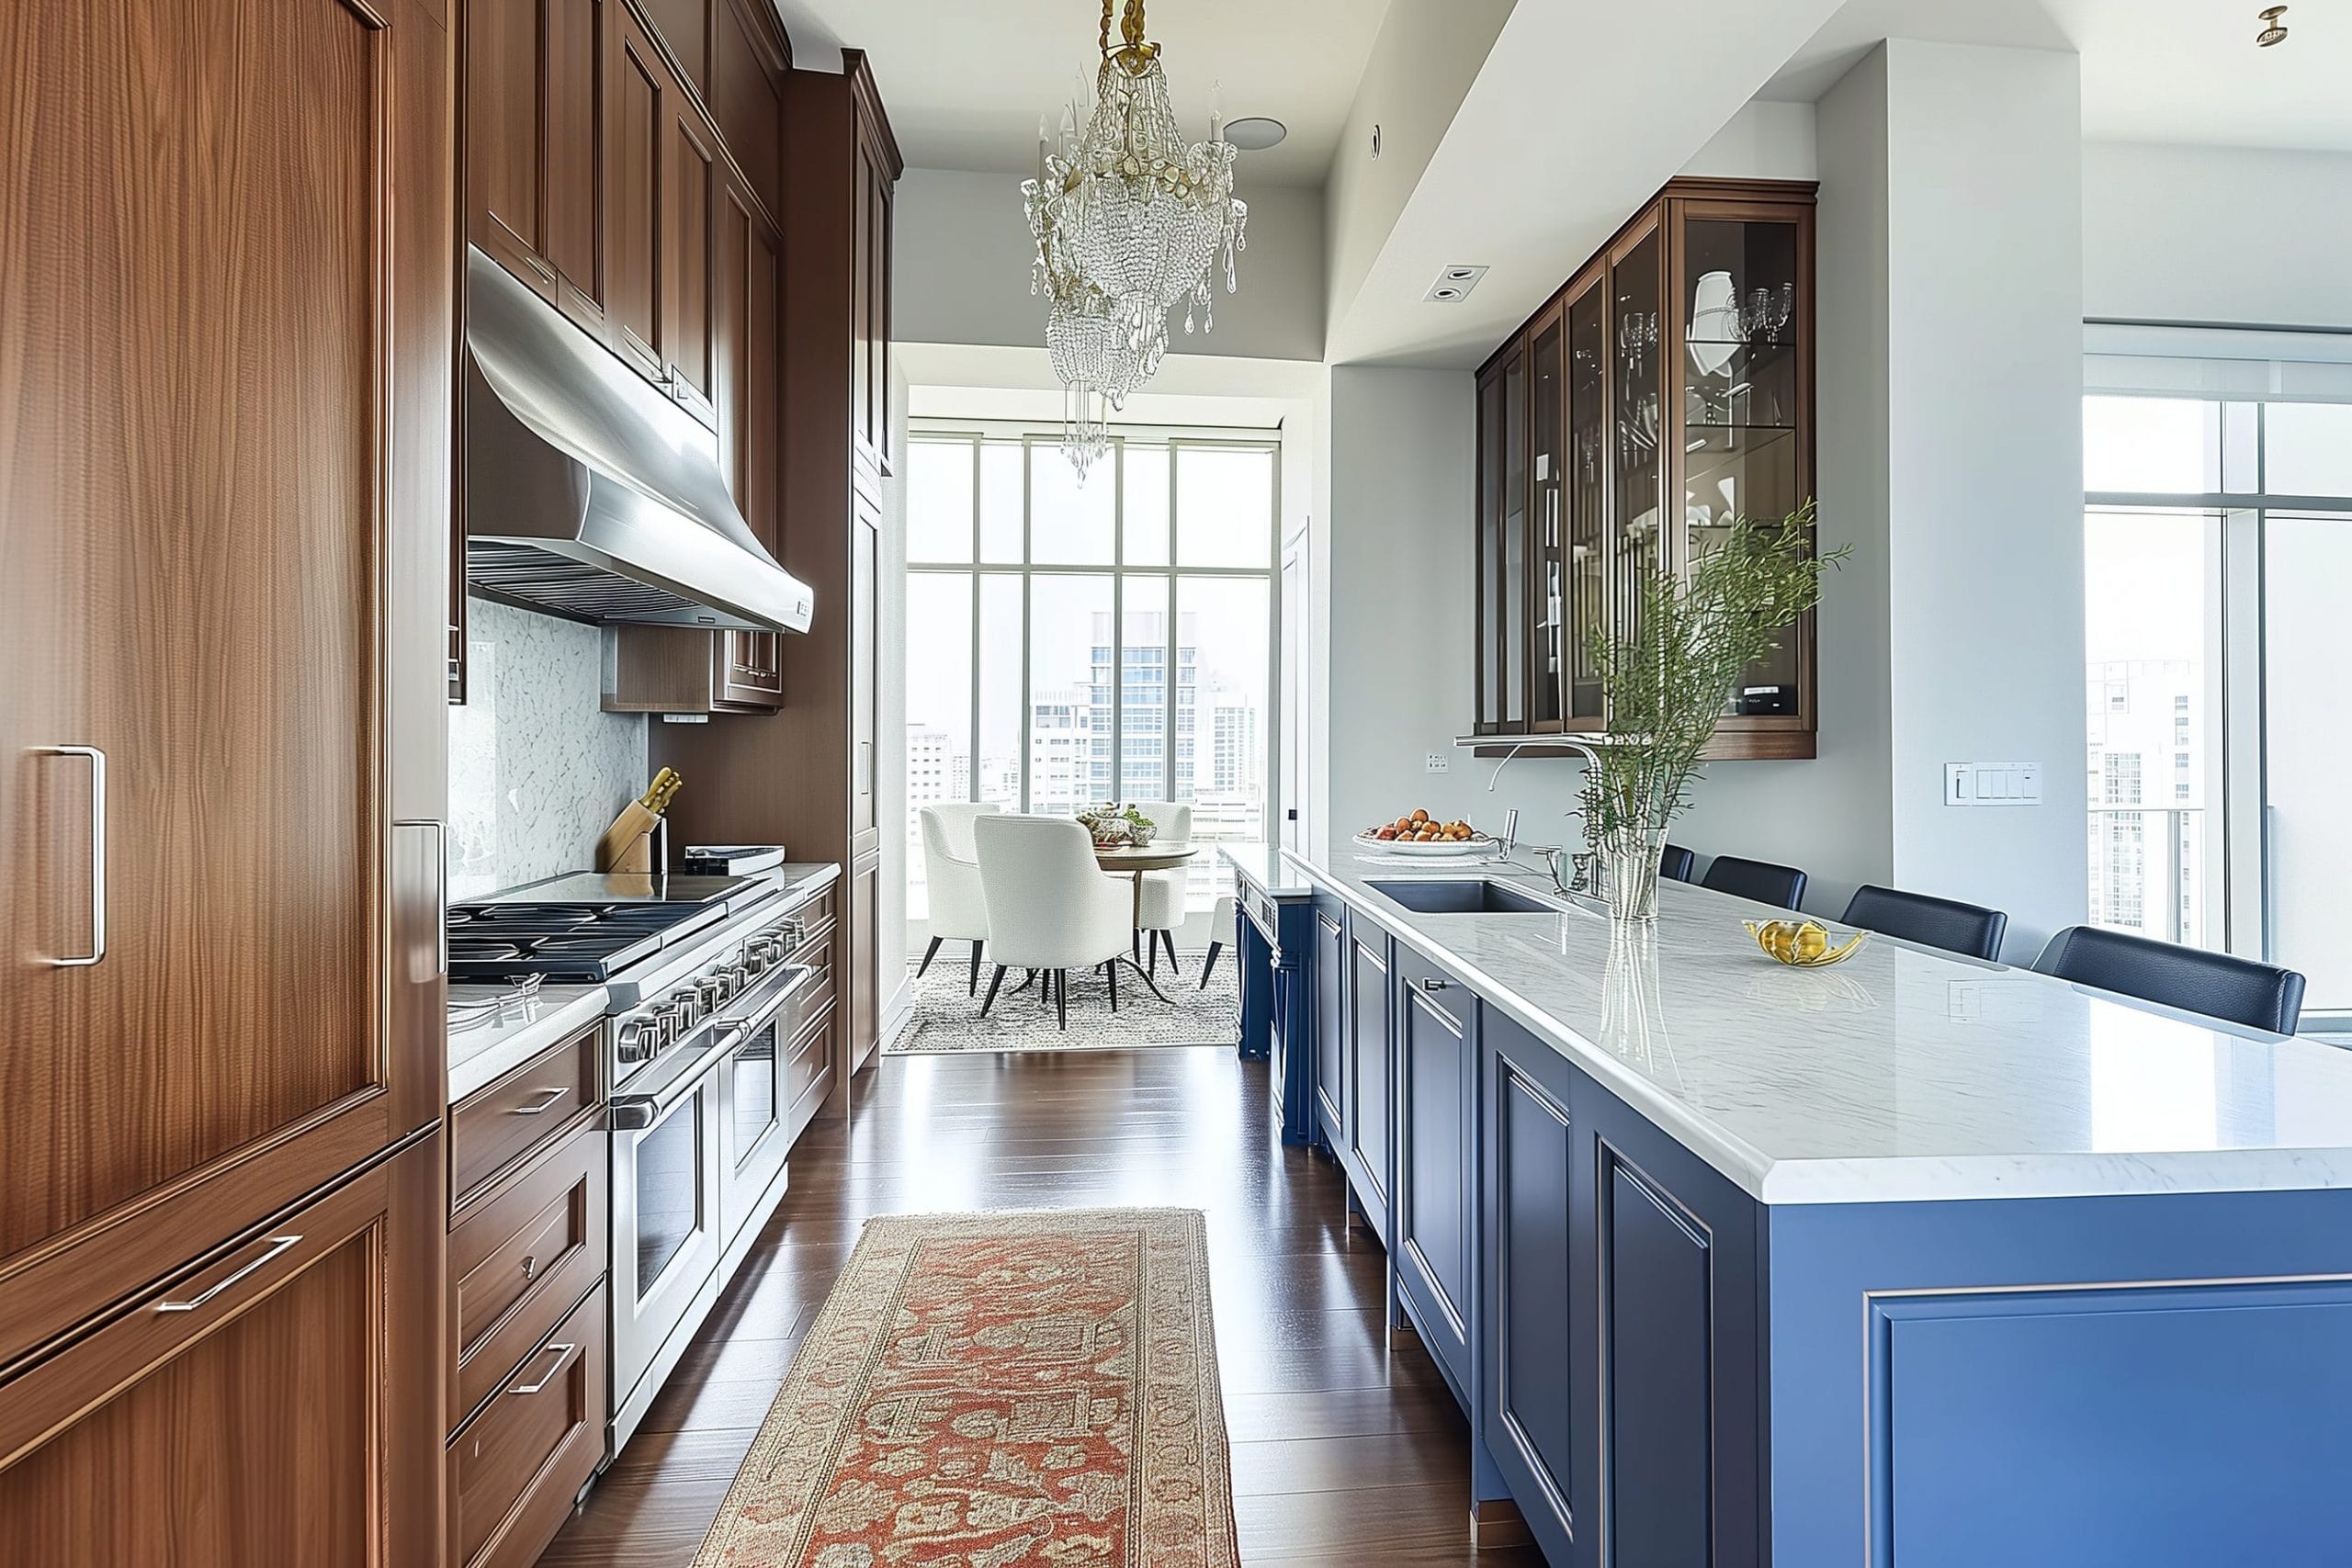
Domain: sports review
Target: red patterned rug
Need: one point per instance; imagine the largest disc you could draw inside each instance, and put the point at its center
(998, 1391)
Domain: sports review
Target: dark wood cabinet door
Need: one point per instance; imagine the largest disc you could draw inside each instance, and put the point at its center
(1436, 1078)
(270, 1407)
(1368, 1071)
(865, 565)
(859, 948)
(691, 202)
(870, 304)
(534, 188)
(684, 27)
(748, 274)
(636, 125)
(222, 582)
(1330, 1021)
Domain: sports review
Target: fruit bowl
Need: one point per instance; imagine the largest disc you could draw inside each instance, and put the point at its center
(1447, 849)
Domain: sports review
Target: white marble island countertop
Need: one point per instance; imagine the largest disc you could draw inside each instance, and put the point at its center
(1902, 1074)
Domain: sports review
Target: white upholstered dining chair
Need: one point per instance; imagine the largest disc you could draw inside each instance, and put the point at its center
(952, 880)
(1051, 908)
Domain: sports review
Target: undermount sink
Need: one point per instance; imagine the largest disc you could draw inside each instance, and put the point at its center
(1461, 896)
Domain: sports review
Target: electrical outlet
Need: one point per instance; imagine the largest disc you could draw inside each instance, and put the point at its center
(1439, 763)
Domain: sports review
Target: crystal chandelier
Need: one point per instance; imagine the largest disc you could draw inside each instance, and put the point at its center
(1129, 220)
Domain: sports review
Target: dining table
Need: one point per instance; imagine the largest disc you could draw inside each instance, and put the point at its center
(1134, 860)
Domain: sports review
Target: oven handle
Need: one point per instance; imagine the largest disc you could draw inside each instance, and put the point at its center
(800, 974)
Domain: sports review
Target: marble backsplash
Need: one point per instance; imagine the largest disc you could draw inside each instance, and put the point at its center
(536, 769)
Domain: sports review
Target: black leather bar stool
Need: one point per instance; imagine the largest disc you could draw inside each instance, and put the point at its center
(1947, 923)
(1780, 885)
(2213, 984)
(1677, 864)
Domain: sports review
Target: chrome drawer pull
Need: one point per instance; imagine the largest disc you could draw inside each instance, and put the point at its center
(98, 760)
(563, 1353)
(548, 1097)
(1432, 983)
(278, 1243)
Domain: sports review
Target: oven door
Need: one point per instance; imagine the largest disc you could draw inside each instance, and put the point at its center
(665, 1218)
(753, 1138)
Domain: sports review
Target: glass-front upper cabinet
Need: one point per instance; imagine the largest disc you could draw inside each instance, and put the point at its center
(1584, 452)
(1743, 299)
(1636, 407)
(1548, 524)
(1503, 574)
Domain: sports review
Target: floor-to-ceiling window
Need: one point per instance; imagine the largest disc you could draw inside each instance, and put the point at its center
(1071, 644)
(2218, 566)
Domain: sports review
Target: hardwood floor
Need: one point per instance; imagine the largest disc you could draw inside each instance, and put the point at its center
(1342, 1452)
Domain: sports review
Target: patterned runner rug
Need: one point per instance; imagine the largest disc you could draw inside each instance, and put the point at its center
(998, 1391)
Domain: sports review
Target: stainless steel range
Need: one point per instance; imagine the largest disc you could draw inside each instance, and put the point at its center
(717, 986)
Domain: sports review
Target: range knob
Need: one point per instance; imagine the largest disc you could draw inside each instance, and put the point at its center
(711, 990)
(640, 1039)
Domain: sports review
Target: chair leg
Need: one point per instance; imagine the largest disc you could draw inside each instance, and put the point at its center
(1151, 946)
(1169, 939)
(973, 986)
(1111, 974)
(994, 981)
(928, 954)
(1135, 944)
(1061, 999)
(1208, 964)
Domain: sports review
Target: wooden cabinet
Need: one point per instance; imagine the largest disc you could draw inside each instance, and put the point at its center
(1667, 389)
(515, 1470)
(1437, 1080)
(222, 584)
(505, 1123)
(269, 1404)
(638, 108)
(805, 775)
(685, 28)
(690, 203)
(534, 156)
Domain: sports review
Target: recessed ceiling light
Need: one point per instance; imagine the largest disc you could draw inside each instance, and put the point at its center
(1256, 133)
(2273, 31)
(1454, 284)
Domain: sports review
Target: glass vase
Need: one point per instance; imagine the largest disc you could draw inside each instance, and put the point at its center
(1629, 858)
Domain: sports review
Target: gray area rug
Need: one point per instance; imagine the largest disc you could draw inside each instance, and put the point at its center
(946, 1020)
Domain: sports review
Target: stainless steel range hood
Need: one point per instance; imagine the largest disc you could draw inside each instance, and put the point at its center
(589, 494)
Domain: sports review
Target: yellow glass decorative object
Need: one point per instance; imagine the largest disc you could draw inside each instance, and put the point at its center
(1802, 944)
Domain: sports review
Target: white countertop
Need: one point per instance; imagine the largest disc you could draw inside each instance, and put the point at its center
(482, 1054)
(1901, 1074)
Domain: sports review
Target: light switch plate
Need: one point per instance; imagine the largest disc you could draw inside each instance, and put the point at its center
(1439, 763)
(1992, 784)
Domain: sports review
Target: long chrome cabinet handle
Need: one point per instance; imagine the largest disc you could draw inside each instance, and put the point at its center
(98, 760)
(548, 1097)
(562, 1359)
(278, 1243)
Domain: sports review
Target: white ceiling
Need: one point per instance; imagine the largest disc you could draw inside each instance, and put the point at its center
(966, 80)
(2153, 70)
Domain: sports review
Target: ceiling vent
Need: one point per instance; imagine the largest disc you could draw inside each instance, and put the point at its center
(1453, 285)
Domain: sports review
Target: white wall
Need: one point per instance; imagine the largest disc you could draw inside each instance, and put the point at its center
(1765, 140)
(2216, 234)
(1402, 596)
(963, 253)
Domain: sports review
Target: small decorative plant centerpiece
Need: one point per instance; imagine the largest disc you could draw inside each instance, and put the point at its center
(1117, 827)
(1667, 675)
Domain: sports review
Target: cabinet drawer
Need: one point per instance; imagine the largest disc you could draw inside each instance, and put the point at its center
(806, 1059)
(519, 1260)
(511, 1119)
(817, 955)
(516, 1468)
(817, 915)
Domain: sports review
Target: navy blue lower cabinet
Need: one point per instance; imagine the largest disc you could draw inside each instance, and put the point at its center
(1274, 947)
(1537, 1351)
(1436, 1086)
(1330, 965)
(1366, 1152)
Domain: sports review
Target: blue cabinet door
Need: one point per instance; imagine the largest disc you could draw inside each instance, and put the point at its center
(1437, 1072)
(1536, 1283)
(1368, 1153)
(1330, 962)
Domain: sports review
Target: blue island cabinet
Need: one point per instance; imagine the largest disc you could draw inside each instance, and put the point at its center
(1437, 1087)
(1620, 1362)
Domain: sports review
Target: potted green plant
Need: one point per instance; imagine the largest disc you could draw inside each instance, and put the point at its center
(1115, 823)
(1667, 671)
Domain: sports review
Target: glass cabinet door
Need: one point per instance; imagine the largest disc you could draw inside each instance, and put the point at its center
(1547, 551)
(1637, 405)
(1490, 551)
(1585, 453)
(1743, 388)
(1512, 630)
